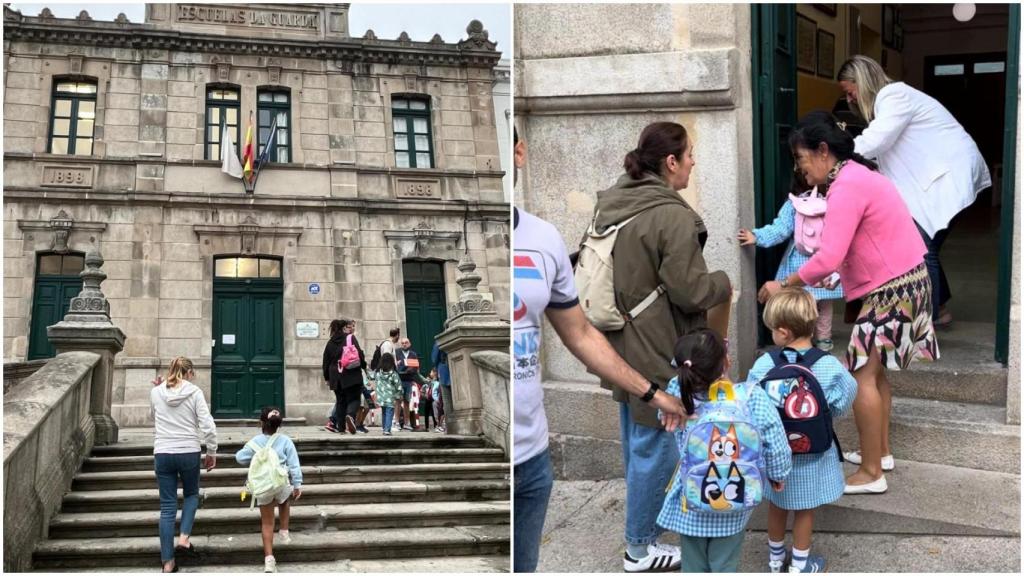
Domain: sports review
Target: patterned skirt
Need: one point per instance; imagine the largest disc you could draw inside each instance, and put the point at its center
(896, 319)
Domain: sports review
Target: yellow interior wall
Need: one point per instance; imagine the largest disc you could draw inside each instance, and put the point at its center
(815, 92)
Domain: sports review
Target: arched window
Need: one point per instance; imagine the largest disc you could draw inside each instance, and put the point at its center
(222, 109)
(72, 116)
(410, 117)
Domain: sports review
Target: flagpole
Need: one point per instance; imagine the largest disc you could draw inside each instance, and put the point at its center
(223, 127)
(266, 151)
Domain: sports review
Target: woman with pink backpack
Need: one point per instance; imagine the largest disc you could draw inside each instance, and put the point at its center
(343, 371)
(801, 220)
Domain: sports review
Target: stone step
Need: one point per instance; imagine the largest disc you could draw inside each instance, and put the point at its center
(310, 475)
(255, 422)
(965, 372)
(242, 520)
(305, 547)
(925, 499)
(452, 565)
(953, 433)
(102, 501)
(320, 457)
(406, 440)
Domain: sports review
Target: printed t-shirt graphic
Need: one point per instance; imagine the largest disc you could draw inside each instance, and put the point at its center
(542, 278)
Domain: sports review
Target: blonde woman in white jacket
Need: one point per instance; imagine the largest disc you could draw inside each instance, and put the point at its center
(927, 154)
(180, 416)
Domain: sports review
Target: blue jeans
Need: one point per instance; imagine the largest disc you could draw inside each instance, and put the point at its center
(649, 456)
(386, 412)
(940, 286)
(169, 467)
(533, 481)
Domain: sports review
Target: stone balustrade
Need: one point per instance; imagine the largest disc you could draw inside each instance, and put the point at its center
(16, 372)
(48, 432)
(493, 376)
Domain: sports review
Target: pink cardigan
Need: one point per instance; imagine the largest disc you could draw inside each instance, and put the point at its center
(869, 236)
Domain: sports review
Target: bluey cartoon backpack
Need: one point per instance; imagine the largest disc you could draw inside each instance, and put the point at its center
(267, 475)
(721, 463)
(796, 392)
(810, 221)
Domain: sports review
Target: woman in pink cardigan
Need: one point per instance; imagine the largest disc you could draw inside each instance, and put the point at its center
(870, 238)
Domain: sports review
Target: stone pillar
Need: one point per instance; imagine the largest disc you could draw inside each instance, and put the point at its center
(473, 326)
(87, 327)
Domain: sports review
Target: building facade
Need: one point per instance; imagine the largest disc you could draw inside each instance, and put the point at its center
(382, 171)
(736, 76)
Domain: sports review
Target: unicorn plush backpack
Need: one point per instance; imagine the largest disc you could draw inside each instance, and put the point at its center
(721, 463)
(810, 221)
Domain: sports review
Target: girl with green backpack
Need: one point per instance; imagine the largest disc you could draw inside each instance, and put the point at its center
(271, 458)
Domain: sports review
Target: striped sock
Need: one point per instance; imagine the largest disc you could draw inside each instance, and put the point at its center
(799, 558)
(776, 551)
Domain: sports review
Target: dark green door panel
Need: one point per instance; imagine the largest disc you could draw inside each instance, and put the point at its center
(50, 303)
(425, 313)
(248, 353)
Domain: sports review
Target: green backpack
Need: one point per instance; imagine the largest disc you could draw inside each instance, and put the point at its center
(266, 473)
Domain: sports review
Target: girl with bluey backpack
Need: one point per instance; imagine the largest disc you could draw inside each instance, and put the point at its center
(817, 476)
(801, 222)
(267, 456)
(731, 447)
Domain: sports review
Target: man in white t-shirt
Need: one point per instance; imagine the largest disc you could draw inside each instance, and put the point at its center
(543, 285)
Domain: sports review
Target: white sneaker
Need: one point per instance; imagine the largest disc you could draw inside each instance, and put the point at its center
(387, 432)
(888, 462)
(660, 558)
(775, 566)
(270, 565)
(286, 537)
(876, 487)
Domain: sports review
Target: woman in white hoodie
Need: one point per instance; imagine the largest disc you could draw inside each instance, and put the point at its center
(181, 416)
(919, 145)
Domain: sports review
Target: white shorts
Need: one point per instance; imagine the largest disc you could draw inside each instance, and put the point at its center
(280, 498)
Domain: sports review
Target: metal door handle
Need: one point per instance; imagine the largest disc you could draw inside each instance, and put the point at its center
(784, 90)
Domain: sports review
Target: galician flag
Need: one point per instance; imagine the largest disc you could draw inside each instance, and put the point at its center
(248, 155)
(229, 163)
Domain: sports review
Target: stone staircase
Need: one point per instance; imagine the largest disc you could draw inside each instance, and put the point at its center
(409, 502)
(957, 460)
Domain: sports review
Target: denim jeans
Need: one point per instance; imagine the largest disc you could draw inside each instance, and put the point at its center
(940, 286)
(533, 481)
(169, 467)
(386, 412)
(649, 456)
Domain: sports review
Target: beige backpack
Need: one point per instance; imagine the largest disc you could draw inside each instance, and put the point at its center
(595, 280)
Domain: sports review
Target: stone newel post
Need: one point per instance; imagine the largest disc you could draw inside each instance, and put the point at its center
(473, 326)
(87, 327)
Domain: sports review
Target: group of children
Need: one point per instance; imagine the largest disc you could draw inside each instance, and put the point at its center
(424, 398)
(769, 437)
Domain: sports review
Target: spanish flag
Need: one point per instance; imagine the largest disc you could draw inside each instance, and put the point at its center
(248, 154)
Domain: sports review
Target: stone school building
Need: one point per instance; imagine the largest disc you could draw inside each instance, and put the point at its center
(384, 171)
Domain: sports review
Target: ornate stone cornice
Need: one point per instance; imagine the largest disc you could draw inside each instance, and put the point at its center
(475, 51)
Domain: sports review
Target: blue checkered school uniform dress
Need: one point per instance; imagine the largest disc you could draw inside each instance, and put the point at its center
(781, 230)
(777, 457)
(816, 479)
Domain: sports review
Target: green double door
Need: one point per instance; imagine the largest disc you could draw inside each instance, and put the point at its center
(248, 350)
(49, 305)
(425, 307)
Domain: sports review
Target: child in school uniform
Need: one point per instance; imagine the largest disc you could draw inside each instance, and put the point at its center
(783, 229)
(711, 541)
(816, 479)
(388, 387)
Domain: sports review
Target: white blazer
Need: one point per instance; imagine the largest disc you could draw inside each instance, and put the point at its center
(927, 154)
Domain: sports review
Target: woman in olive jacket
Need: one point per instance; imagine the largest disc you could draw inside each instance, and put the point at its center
(347, 384)
(662, 246)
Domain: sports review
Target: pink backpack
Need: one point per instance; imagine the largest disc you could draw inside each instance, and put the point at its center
(349, 355)
(810, 221)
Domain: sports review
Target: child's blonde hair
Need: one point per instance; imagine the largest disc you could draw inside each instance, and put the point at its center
(180, 367)
(793, 309)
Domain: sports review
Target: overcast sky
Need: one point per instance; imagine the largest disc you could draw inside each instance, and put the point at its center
(421, 20)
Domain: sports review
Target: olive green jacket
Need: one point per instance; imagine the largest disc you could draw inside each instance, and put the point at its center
(661, 246)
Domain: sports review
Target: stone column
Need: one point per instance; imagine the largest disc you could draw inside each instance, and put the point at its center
(473, 326)
(87, 327)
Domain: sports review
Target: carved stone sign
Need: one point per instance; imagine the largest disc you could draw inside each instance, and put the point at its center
(417, 188)
(248, 17)
(67, 176)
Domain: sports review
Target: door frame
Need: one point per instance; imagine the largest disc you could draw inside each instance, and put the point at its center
(1009, 181)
